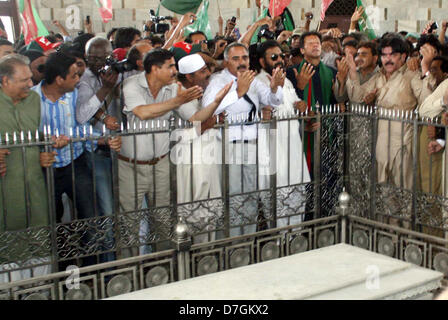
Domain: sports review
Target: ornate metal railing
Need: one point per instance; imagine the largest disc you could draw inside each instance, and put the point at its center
(290, 217)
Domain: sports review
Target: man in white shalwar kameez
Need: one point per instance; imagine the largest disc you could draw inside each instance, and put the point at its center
(288, 131)
(198, 146)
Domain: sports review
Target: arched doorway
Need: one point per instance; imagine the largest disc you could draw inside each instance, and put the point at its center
(9, 17)
(338, 15)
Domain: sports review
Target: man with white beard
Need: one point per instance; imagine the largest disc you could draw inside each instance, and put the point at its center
(198, 147)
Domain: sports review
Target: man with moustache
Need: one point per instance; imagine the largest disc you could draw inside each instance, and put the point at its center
(198, 147)
(394, 87)
(20, 107)
(288, 132)
(366, 66)
(243, 101)
(152, 95)
(98, 105)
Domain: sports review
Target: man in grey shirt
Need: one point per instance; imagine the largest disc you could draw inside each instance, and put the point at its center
(143, 159)
(98, 104)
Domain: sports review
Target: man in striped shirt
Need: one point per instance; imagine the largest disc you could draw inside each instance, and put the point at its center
(58, 97)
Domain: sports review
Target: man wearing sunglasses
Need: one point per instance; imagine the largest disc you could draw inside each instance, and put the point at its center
(243, 102)
(97, 104)
(288, 132)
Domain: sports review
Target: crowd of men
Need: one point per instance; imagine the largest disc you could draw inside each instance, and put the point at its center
(58, 85)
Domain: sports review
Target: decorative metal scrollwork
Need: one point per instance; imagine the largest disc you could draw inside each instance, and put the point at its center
(119, 284)
(298, 244)
(36, 296)
(270, 251)
(360, 239)
(156, 277)
(325, 239)
(441, 262)
(82, 293)
(386, 246)
(207, 265)
(239, 258)
(413, 254)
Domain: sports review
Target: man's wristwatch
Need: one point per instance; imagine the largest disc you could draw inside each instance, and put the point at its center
(103, 116)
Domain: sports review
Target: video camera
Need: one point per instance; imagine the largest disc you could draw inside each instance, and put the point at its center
(117, 66)
(158, 27)
(265, 33)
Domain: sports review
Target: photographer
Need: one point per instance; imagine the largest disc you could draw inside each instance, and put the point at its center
(97, 103)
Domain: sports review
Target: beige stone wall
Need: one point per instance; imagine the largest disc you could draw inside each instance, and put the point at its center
(397, 15)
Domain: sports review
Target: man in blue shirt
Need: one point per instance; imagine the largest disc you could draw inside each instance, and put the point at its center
(58, 109)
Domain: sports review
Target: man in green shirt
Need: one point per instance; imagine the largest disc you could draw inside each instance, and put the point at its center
(23, 196)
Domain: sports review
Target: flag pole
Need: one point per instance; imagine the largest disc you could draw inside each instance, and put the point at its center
(219, 8)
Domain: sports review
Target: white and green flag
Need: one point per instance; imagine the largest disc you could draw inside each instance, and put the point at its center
(364, 23)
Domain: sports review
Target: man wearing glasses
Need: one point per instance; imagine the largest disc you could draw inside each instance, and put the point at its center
(288, 132)
(97, 104)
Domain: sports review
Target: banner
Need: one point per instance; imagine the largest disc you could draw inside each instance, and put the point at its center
(182, 6)
(276, 7)
(32, 26)
(364, 23)
(325, 5)
(201, 23)
(105, 7)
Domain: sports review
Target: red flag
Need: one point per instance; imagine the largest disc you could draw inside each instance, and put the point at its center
(276, 7)
(325, 5)
(29, 25)
(47, 45)
(105, 7)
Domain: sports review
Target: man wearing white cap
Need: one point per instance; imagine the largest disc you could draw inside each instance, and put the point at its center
(202, 181)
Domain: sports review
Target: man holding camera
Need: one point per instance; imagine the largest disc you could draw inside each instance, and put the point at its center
(97, 103)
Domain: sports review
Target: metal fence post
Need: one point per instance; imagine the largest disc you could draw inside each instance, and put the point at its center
(343, 210)
(173, 172)
(373, 173)
(273, 177)
(414, 171)
(225, 176)
(182, 245)
(317, 165)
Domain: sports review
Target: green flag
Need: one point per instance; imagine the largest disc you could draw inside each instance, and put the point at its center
(288, 20)
(182, 6)
(263, 14)
(201, 23)
(364, 23)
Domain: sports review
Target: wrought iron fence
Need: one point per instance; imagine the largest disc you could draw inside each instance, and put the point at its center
(290, 212)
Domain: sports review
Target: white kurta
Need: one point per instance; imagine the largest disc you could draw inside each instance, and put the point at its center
(287, 133)
(198, 162)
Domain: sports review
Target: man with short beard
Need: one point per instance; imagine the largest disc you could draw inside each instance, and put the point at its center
(394, 87)
(243, 101)
(199, 145)
(288, 132)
